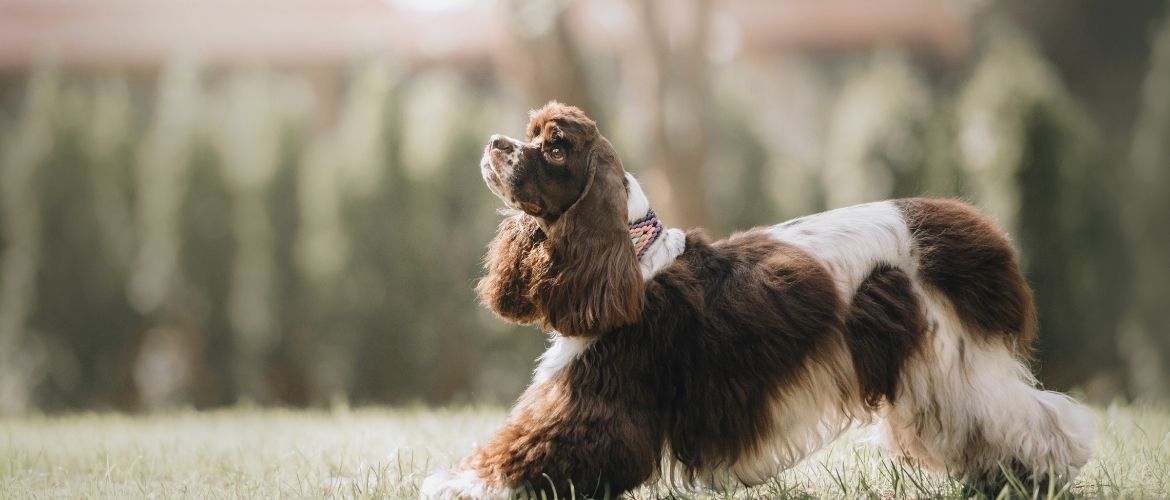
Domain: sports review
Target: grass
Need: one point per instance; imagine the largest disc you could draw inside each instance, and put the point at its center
(385, 453)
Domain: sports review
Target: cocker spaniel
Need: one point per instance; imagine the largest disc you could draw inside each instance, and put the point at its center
(723, 363)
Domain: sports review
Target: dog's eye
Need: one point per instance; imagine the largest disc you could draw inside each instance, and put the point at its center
(556, 153)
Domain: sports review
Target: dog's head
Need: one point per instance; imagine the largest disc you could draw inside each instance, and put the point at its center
(548, 172)
(567, 177)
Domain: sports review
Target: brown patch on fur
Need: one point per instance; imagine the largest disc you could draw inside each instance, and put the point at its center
(743, 318)
(971, 261)
(724, 329)
(885, 326)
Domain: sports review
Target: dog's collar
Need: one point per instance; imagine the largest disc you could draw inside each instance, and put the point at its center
(644, 232)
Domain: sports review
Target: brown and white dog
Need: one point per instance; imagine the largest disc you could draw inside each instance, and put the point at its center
(723, 363)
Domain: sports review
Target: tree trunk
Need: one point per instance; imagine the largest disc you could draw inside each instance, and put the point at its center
(676, 36)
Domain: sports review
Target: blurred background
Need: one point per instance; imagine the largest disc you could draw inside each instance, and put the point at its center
(277, 202)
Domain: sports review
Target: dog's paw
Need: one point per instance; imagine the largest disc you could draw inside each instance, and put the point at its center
(459, 485)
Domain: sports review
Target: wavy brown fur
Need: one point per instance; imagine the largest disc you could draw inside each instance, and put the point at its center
(507, 287)
(591, 281)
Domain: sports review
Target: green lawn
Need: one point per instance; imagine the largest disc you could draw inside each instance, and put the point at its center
(385, 453)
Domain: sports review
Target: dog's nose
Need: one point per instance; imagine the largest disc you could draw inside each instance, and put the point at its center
(501, 143)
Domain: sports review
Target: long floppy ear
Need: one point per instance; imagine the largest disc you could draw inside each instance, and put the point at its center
(593, 283)
(507, 287)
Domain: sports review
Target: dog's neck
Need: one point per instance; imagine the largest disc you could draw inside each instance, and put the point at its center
(656, 245)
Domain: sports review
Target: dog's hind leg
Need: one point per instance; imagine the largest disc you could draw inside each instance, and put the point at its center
(970, 406)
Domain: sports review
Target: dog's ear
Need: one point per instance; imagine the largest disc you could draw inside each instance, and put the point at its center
(593, 282)
(507, 288)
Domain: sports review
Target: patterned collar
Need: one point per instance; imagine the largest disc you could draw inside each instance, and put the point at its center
(644, 232)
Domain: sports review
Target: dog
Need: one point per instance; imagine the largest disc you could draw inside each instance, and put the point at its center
(723, 363)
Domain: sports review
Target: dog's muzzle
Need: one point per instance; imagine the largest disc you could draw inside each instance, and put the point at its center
(500, 157)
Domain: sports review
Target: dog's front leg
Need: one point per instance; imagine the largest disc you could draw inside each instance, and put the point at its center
(560, 441)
